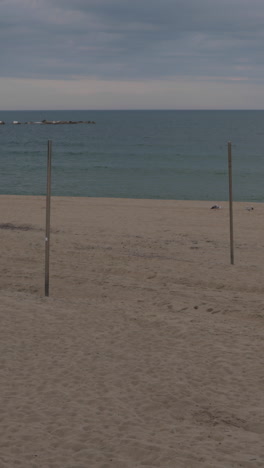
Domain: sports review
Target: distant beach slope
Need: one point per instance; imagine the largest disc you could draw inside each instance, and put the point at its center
(149, 350)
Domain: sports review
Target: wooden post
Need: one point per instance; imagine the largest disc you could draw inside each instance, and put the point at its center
(230, 203)
(47, 237)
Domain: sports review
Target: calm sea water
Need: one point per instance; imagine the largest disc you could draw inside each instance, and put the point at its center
(135, 154)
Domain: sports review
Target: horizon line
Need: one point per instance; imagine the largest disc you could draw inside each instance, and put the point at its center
(127, 110)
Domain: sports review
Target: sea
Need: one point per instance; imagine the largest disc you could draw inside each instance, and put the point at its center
(154, 154)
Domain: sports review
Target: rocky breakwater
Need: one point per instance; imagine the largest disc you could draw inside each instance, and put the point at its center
(65, 122)
(60, 122)
(51, 122)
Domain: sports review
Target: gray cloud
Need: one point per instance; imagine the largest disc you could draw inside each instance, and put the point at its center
(120, 39)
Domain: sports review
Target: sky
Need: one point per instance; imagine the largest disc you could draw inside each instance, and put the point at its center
(131, 54)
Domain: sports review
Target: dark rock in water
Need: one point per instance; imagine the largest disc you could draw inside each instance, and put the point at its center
(47, 122)
(53, 122)
(66, 122)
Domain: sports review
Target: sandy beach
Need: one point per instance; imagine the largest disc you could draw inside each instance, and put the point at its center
(148, 352)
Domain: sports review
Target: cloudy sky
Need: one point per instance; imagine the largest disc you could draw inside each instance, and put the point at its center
(132, 54)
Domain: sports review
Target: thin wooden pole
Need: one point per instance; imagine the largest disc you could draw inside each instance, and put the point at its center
(47, 237)
(231, 203)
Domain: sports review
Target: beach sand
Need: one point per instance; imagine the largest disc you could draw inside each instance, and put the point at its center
(149, 350)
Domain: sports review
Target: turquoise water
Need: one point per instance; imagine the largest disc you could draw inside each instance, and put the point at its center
(135, 154)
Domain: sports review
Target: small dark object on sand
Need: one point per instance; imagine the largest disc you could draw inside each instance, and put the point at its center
(13, 227)
(216, 207)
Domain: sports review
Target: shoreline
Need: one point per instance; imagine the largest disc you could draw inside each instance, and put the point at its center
(179, 200)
